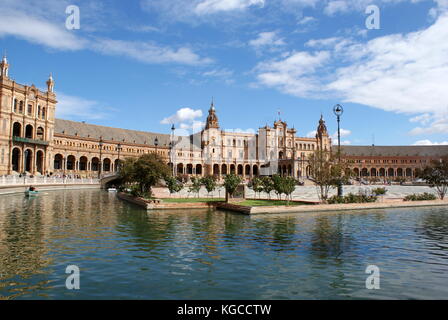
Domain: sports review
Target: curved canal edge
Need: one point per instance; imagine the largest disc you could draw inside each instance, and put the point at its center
(329, 207)
(5, 190)
(157, 204)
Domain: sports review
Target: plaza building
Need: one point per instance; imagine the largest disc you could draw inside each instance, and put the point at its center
(391, 163)
(34, 142)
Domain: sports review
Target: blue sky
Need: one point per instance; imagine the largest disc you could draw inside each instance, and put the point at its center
(145, 64)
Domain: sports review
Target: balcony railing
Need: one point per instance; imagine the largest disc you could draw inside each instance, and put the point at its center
(31, 141)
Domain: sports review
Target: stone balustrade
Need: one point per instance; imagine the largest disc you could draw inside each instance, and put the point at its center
(44, 180)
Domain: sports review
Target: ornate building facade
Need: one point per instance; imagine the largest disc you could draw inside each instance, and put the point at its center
(34, 142)
(391, 163)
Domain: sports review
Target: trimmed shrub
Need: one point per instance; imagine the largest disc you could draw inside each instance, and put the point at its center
(420, 197)
(379, 191)
(352, 198)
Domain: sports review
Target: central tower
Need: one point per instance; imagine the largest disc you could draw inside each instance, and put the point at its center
(212, 118)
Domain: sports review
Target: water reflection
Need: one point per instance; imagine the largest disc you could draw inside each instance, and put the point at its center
(125, 252)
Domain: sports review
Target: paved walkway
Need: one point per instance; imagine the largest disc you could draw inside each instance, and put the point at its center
(309, 193)
(331, 207)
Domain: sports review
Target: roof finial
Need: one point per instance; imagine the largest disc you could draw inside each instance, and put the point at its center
(50, 83)
(212, 105)
(5, 60)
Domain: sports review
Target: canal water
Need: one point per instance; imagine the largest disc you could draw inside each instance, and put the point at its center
(124, 252)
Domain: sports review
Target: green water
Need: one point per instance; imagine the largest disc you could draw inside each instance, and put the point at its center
(124, 252)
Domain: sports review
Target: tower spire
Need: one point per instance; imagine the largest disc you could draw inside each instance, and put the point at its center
(212, 105)
(4, 66)
(212, 118)
(50, 83)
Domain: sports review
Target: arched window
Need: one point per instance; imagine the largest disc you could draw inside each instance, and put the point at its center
(216, 169)
(40, 133)
(17, 129)
(29, 131)
(71, 162)
(21, 107)
(15, 106)
(106, 165)
(16, 160)
(43, 113)
(57, 164)
(83, 163)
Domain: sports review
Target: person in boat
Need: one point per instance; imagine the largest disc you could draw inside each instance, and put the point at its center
(31, 188)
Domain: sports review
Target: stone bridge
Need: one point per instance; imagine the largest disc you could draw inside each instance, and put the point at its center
(107, 178)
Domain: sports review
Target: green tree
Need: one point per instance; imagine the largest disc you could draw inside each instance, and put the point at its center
(209, 182)
(231, 183)
(144, 172)
(256, 184)
(173, 184)
(268, 185)
(195, 186)
(278, 185)
(327, 171)
(436, 175)
(289, 186)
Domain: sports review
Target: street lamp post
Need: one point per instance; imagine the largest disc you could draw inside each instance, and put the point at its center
(172, 151)
(156, 143)
(338, 111)
(100, 144)
(118, 162)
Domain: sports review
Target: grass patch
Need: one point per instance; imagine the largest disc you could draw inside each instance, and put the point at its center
(192, 200)
(269, 203)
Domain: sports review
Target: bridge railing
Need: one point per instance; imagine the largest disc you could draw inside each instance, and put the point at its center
(44, 180)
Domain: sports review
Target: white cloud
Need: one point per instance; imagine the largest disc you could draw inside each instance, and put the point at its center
(336, 7)
(429, 143)
(222, 73)
(311, 134)
(77, 108)
(183, 115)
(38, 31)
(214, 6)
(344, 133)
(291, 73)
(143, 28)
(335, 43)
(45, 27)
(149, 52)
(267, 39)
(432, 125)
(306, 20)
(402, 73)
